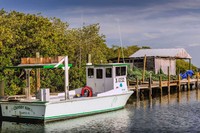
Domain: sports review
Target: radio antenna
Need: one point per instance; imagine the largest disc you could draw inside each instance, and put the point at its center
(120, 37)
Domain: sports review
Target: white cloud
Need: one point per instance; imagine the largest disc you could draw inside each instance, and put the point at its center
(174, 24)
(194, 45)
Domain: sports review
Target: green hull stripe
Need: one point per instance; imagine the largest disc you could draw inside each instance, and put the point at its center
(82, 114)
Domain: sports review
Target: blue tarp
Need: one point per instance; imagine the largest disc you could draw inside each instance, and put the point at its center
(186, 74)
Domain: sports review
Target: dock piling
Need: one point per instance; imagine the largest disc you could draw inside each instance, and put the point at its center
(197, 83)
(188, 83)
(160, 85)
(150, 87)
(137, 89)
(167, 85)
(168, 80)
(179, 83)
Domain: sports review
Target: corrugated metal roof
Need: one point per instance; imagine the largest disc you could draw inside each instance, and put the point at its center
(175, 52)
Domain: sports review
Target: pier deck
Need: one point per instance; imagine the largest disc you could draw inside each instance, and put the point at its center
(169, 85)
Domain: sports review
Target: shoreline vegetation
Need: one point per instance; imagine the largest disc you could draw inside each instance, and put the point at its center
(22, 35)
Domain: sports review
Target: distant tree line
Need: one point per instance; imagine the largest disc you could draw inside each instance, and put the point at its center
(22, 35)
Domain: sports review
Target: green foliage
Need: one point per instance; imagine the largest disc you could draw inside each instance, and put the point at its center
(183, 66)
(146, 47)
(22, 35)
(116, 51)
(137, 73)
(160, 71)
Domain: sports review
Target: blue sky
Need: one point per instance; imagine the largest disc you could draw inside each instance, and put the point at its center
(154, 23)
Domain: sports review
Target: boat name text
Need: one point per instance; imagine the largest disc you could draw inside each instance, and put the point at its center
(27, 110)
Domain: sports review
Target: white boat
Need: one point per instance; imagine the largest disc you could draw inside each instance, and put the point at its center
(106, 90)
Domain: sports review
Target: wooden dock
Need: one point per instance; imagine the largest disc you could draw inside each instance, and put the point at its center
(169, 85)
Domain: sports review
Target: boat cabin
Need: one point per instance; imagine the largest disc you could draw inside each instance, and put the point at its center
(102, 80)
(106, 77)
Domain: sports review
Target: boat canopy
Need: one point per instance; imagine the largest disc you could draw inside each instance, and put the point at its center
(44, 66)
(110, 65)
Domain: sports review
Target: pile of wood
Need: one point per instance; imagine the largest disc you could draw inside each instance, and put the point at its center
(43, 60)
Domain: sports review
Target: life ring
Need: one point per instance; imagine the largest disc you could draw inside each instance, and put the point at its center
(86, 91)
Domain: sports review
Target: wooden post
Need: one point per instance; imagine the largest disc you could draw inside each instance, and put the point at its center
(150, 88)
(137, 89)
(188, 84)
(197, 83)
(28, 87)
(37, 74)
(189, 64)
(168, 80)
(179, 83)
(2, 87)
(160, 85)
(144, 68)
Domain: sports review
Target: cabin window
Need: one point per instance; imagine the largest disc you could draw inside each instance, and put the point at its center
(123, 71)
(108, 72)
(90, 72)
(99, 73)
(120, 71)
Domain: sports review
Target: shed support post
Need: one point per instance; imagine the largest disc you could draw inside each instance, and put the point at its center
(189, 64)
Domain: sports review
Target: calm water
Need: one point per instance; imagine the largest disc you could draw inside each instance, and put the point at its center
(174, 113)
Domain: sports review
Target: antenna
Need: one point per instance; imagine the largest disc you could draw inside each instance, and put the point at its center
(120, 37)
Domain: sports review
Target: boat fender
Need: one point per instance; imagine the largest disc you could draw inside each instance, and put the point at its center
(87, 91)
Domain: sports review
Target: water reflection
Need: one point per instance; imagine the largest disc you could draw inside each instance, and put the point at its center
(95, 123)
(176, 112)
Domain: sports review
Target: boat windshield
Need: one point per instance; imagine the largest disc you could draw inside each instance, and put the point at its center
(120, 71)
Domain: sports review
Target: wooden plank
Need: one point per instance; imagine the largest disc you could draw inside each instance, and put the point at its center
(25, 60)
(39, 60)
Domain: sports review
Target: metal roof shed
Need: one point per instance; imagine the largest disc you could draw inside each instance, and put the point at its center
(178, 53)
(160, 59)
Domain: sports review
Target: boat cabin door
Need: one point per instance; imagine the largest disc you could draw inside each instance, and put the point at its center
(99, 80)
(108, 78)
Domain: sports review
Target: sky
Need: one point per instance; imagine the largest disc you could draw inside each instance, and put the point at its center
(153, 23)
